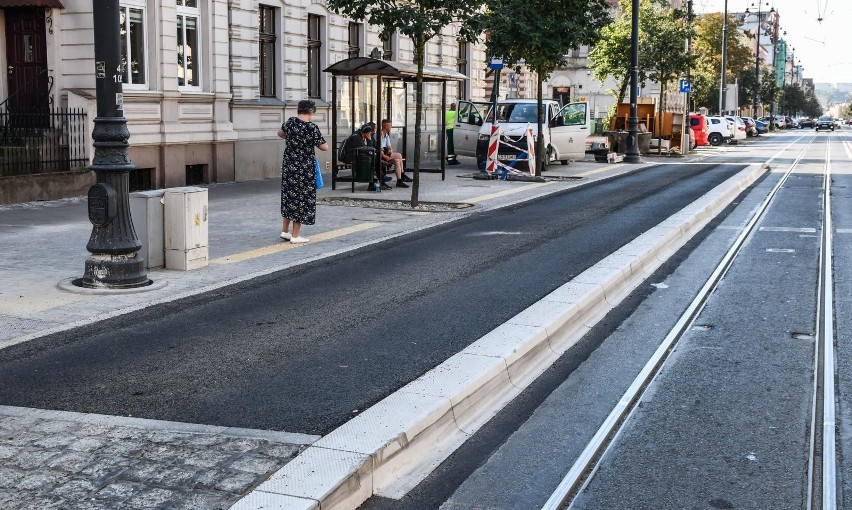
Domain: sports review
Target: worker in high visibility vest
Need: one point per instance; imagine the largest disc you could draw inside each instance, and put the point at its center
(450, 120)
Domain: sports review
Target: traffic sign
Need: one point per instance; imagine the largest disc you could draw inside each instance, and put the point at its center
(685, 86)
(496, 63)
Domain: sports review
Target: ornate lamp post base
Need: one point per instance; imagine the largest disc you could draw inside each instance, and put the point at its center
(114, 263)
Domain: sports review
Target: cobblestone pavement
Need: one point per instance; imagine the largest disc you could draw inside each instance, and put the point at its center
(68, 461)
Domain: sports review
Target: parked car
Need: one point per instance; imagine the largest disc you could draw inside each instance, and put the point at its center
(806, 123)
(825, 122)
(751, 127)
(762, 127)
(739, 128)
(565, 130)
(789, 123)
(699, 124)
(721, 130)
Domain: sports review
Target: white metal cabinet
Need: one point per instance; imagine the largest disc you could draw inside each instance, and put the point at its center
(186, 242)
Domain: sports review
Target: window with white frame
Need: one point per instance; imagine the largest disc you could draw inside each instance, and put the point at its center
(267, 37)
(314, 55)
(462, 67)
(387, 48)
(133, 44)
(189, 43)
(354, 39)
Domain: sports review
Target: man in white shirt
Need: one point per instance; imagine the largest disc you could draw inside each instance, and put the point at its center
(392, 158)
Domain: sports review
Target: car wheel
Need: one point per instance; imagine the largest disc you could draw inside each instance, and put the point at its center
(715, 139)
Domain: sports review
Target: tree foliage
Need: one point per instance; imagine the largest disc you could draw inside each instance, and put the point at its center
(707, 45)
(420, 20)
(662, 46)
(794, 102)
(550, 28)
(667, 56)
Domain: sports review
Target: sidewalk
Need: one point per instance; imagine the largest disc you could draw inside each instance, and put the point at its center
(54, 459)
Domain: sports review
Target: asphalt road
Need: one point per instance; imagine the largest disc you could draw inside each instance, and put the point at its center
(306, 349)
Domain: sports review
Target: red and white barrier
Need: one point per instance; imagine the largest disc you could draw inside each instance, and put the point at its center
(493, 142)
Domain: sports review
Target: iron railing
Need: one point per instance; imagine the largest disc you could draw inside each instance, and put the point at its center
(42, 140)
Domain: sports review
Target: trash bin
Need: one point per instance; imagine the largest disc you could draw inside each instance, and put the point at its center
(363, 168)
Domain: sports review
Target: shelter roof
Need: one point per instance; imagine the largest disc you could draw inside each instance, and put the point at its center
(366, 66)
(30, 3)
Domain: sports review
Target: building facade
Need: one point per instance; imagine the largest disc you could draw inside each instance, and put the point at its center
(207, 83)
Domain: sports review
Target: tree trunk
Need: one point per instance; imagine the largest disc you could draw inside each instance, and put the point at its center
(420, 42)
(622, 91)
(539, 139)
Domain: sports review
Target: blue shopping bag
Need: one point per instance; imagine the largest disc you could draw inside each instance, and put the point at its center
(319, 174)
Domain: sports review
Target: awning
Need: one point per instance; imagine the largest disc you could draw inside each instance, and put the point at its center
(31, 3)
(365, 66)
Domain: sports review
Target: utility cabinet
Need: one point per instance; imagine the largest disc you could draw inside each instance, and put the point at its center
(146, 210)
(185, 214)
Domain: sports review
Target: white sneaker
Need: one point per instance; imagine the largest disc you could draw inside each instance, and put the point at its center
(299, 240)
(286, 236)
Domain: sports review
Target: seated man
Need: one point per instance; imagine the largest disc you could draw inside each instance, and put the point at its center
(363, 137)
(360, 138)
(393, 158)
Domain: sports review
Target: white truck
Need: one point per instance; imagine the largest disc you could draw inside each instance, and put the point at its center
(565, 129)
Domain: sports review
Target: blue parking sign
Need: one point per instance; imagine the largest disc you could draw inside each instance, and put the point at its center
(685, 86)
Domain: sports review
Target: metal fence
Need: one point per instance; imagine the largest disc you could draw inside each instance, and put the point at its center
(42, 141)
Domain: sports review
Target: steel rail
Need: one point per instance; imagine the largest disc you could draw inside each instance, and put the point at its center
(824, 408)
(583, 469)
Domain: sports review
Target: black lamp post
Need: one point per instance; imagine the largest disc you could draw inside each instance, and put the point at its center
(631, 154)
(756, 97)
(114, 263)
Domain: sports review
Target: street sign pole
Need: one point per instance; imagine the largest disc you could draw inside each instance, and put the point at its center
(114, 263)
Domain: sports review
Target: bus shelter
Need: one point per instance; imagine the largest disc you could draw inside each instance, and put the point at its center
(387, 72)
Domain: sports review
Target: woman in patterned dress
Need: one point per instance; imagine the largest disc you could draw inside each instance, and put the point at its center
(298, 176)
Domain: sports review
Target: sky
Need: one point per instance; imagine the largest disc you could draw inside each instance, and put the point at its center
(823, 47)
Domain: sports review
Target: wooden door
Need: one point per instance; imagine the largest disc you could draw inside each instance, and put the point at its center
(26, 57)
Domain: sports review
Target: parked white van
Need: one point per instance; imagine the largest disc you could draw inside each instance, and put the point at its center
(565, 131)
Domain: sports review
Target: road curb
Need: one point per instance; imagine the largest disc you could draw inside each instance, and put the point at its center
(391, 446)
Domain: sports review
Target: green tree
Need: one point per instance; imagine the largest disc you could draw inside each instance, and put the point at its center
(420, 20)
(769, 89)
(561, 25)
(666, 52)
(611, 54)
(707, 47)
(812, 107)
(792, 100)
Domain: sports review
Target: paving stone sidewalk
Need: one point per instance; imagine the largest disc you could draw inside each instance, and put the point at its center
(69, 461)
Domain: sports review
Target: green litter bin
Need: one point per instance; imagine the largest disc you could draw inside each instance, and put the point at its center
(363, 168)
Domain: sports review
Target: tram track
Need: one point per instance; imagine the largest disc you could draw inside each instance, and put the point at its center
(822, 490)
(822, 477)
